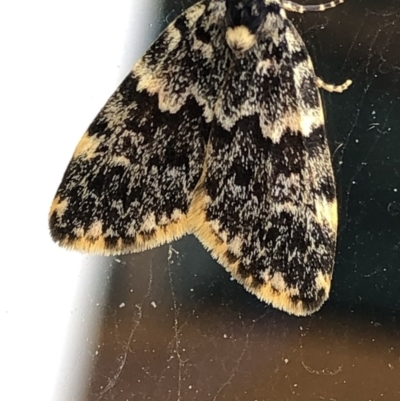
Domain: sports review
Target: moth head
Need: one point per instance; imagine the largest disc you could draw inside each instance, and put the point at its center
(245, 19)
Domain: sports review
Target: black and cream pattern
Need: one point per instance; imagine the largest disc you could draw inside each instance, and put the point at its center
(217, 131)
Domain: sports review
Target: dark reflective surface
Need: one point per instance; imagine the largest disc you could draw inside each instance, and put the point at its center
(175, 327)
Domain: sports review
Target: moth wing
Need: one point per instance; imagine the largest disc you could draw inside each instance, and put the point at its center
(131, 179)
(266, 205)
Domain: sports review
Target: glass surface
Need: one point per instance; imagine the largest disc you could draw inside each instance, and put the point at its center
(176, 327)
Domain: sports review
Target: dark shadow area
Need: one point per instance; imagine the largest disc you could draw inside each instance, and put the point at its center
(176, 327)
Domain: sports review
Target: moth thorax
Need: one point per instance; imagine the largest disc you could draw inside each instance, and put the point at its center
(245, 21)
(240, 39)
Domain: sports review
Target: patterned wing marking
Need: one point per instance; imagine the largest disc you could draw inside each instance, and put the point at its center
(266, 205)
(130, 182)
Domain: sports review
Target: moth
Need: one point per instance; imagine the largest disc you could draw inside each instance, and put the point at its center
(217, 131)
